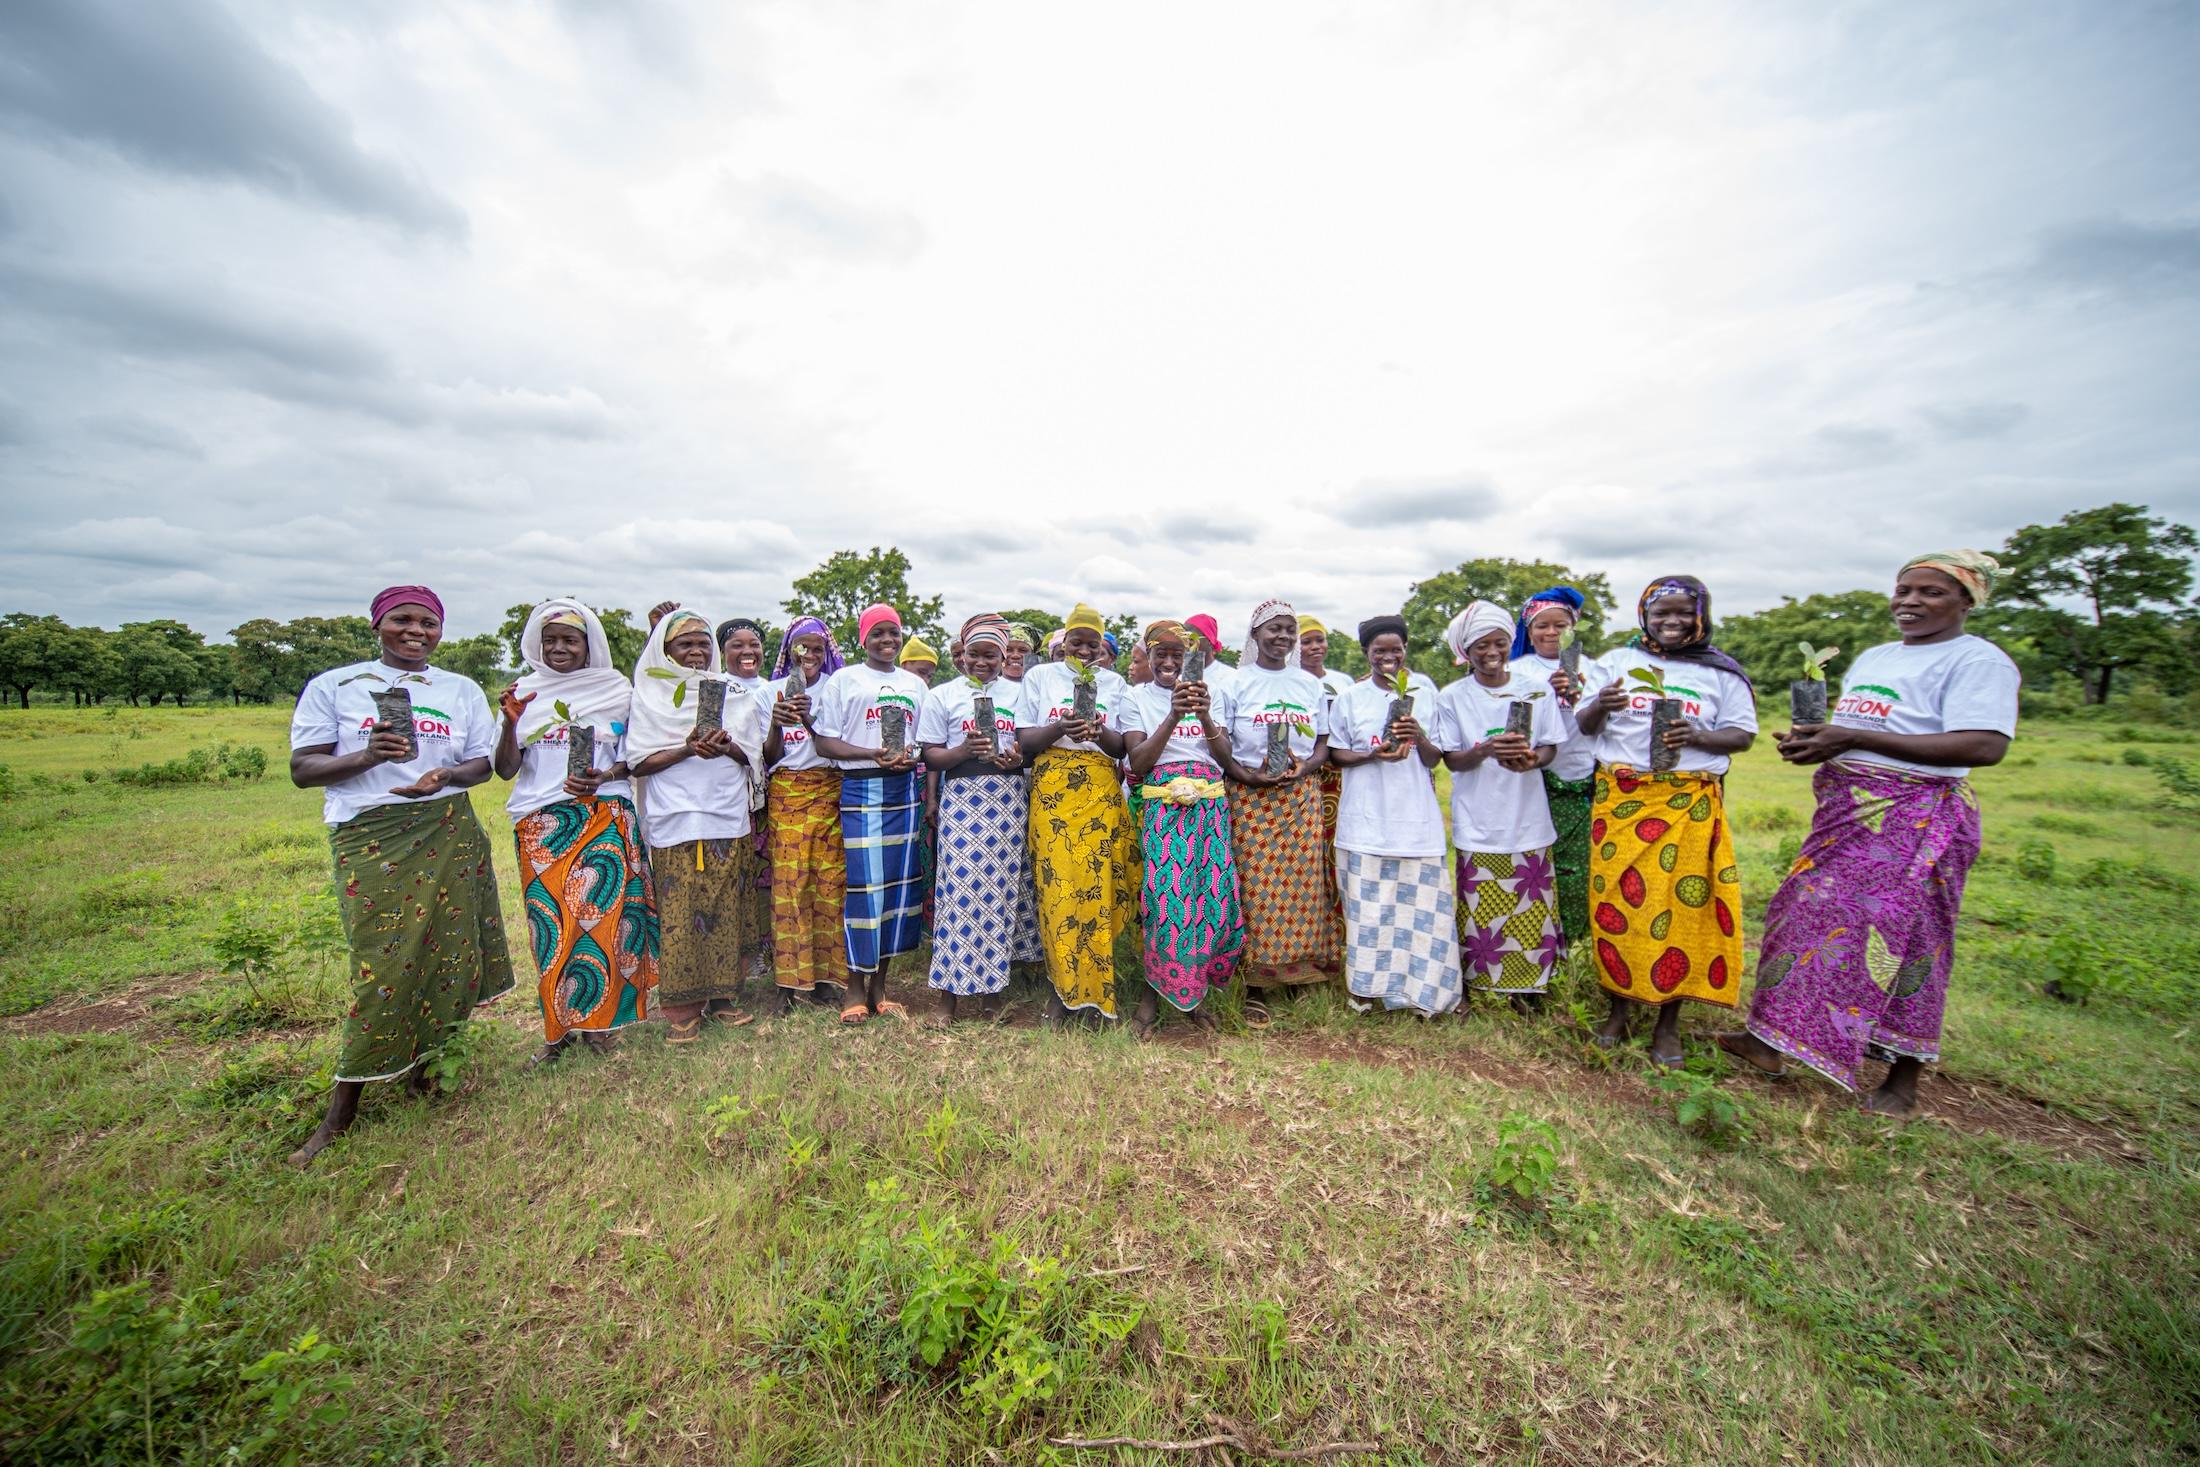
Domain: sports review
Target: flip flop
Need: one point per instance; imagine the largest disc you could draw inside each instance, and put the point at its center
(1256, 1013)
(855, 1014)
(1669, 1062)
(1606, 1042)
(1737, 1045)
(687, 1033)
(887, 1007)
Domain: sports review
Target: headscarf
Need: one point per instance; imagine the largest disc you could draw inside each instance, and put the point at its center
(1542, 601)
(917, 650)
(1165, 630)
(1082, 615)
(1312, 624)
(597, 695)
(1472, 625)
(1107, 639)
(871, 618)
(1054, 644)
(986, 627)
(1207, 627)
(1267, 611)
(1374, 627)
(396, 596)
(734, 624)
(808, 626)
(1698, 647)
(656, 725)
(1974, 570)
(1021, 631)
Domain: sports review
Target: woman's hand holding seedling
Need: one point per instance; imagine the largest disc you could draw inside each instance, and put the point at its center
(895, 762)
(791, 712)
(1405, 737)
(1512, 751)
(388, 745)
(584, 786)
(1189, 700)
(1816, 743)
(709, 743)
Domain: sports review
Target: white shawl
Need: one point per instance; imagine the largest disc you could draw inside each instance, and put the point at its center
(658, 723)
(595, 696)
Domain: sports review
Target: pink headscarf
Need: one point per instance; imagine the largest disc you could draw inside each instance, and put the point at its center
(871, 618)
(1205, 625)
(397, 596)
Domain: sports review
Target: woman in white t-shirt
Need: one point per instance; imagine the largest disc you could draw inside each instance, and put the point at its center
(865, 720)
(1401, 949)
(1569, 781)
(1665, 895)
(1292, 933)
(584, 875)
(1080, 841)
(741, 656)
(809, 861)
(1860, 939)
(1507, 893)
(700, 787)
(415, 879)
(981, 821)
(1194, 926)
(1314, 659)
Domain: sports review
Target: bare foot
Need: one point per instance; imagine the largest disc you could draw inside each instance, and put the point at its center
(1754, 1052)
(1612, 1033)
(315, 1145)
(1889, 1103)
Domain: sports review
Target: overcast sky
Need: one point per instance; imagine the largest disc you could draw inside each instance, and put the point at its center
(1169, 307)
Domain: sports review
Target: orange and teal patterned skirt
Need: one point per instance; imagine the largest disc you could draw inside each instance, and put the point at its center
(591, 915)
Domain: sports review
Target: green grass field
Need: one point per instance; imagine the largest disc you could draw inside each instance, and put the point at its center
(797, 1243)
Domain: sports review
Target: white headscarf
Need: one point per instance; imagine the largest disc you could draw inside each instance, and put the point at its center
(597, 695)
(1267, 611)
(1472, 625)
(656, 725)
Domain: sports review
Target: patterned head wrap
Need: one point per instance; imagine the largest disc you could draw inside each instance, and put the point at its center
(1473, 624)
(1374, 627)
(1054, 642)
(808, 626)
(1082, 615)
(1974, 570)
(916, 650)
(396, 596)
(983, 629)
(1166, 630)
(873, 618)
(1565, 598)
(675, 620)
(734, 624)
(566, 618)
(1021, 631)
(1263, 614)
(1698, 647)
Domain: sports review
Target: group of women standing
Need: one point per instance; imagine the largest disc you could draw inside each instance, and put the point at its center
(699, 824)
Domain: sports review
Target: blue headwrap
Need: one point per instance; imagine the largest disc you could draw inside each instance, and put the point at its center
(1565, 596)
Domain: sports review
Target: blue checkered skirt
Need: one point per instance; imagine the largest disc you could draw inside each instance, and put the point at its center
(879, 824)
(981, 851)
(1401, 944)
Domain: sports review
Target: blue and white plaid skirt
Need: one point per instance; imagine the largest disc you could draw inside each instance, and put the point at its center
(880, 820)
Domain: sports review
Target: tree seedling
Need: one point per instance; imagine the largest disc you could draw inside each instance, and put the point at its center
(1807, 694)
(1664, 713)
(1401, 705)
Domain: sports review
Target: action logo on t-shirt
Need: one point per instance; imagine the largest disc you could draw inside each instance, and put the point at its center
(428, 723)
(887, 697)
(1640, 700)
(1871, 703)
(1283, 710)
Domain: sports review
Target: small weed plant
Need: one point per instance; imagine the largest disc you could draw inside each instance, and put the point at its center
(1525, 1163)
(1703, 1108)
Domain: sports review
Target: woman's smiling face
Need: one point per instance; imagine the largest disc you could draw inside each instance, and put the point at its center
(409, 634)
(1487, 656)
(743, 652)
(564, 647)
(809, 650)
(690, 648)
(1548, 630)
(1276, 639)
(1672, 619)
(1387, 653)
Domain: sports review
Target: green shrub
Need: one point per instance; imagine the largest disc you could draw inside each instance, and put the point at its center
(1526, 1160)
(2036, 861)
(1702, 1107)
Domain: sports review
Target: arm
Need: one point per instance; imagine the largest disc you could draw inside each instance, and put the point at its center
(316, 765)
(508, 753)
(1591, 714)
(664, 759)
(1961, 749)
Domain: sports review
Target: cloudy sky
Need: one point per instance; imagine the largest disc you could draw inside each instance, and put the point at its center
(1164, 306)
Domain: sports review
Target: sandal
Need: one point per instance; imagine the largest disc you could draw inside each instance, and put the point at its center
(1741, 1047)
(687, 1033)
(855, 1014)
(1668, 1061)
(1256, 1014)
(732, 1018)
(887, 1008)
(548, 1054)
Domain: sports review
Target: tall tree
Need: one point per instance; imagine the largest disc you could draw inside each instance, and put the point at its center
(272, 657)
(2130, 575)
(1431, 604)
(839, 589)
(158, 659)
(480, 657)
(35, 652)
(1765, 641)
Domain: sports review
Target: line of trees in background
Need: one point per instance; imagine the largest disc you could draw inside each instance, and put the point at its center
(2127, 574)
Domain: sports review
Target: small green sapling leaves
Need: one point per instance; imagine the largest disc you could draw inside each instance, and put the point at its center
(1651, 678)
(1815, 660)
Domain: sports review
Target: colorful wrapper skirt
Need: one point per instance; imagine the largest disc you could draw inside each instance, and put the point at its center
(1509, 940)
(591, 915)
(1080, 845)
(1332, 782)
(760, 890)
(981, 847)
(1569, 801)
(416, 885)
(1861, 937)
(1291, 928)
(1400, 949)
(884, 910)
(1664, 893)
(1024, 944)
(809, 887)
(712, 926)
(1194, 928)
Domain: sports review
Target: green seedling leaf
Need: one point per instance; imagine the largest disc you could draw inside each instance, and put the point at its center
(1815, 660)
(537, 734)
(664, 672)
(1652, 678)
(564, 713)
(679, 695)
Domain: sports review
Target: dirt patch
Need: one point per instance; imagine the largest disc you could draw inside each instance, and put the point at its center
(110, 1015)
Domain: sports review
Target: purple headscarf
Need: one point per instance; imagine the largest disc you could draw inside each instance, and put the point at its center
(808, 626)
(397, 596)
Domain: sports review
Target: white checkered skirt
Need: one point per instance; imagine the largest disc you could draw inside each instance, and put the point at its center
(1401, 944)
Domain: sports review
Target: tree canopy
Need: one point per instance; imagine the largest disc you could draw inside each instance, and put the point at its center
(1765, 641)
(840, 589)
(2130, 574)
(1431, 604)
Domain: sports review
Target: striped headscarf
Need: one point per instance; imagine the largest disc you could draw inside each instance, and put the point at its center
(984, 628)
(1267, 611)
(1974, 570)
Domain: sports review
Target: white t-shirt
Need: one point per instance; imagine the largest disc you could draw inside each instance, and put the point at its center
(1257, 698)
(1710, 697)
(1188, 740)
(796, 749)
(1387, 809)
(1494, 808)
(540, 782)
(1048, 695)
(1961, 685)
(745, 684)
(451, 724)
(847, 707)
(695, 799)
(1577, 755)
(950, 713)
(1335, 683)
